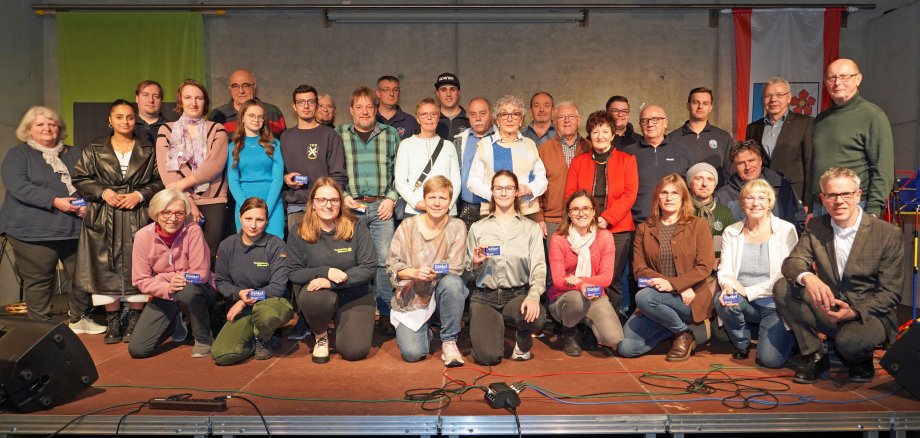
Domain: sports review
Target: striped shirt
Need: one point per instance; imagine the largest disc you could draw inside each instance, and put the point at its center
(369, 165)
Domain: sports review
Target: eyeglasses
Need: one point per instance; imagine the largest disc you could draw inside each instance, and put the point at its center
(652, 121)
(428, 115)
(511, 116)
(322, 202)
(504, 189)
(665, 195)
(176, 214)
(840, 78)
(751, 200)
(845, 196)
(567, 117)
(387, 90)
(245, 86)
(255, 118)
(581, 210)
(305, 102)
(769, 96)
(618, 112)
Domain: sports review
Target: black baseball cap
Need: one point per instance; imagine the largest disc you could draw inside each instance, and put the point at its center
(447, 79)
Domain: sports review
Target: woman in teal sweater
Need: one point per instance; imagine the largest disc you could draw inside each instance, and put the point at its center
(255, 167)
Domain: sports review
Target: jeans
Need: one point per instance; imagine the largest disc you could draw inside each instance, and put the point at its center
(450, 296)
(382, 233)
(159, 316)
(774, 342)
(490, 310)
(661, 316)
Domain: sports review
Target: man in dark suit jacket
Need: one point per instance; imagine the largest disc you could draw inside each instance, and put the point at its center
(785, 136)
(843, 279)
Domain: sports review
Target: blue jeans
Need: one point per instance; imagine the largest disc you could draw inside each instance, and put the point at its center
(450, 296)
(382, 233)
(774, 342)
(661, 316)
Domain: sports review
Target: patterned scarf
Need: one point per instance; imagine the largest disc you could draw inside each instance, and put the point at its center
(52, 157)
(187, 149)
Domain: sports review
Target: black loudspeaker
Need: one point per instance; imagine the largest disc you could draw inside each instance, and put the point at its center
(902, 360)
(42, 364)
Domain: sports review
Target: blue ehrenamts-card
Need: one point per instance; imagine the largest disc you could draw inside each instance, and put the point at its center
(78, 202)
(301, 179)
(643, 282)
(731, 299)
(257, 294)
(193, 278)
(493, 250)
(593, 291)
(441, 268)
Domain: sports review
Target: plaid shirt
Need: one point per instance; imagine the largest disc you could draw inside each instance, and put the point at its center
(370, 165)
(568, 150)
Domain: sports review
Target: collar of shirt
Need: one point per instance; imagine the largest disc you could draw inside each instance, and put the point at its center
(779, 122)
(497, 137)
(374, 131)
(551, 129)
(261, 241)
(399, 116)
(566, 145)
(847, 232)
(685, 130)
(471, 134)
(491, 216)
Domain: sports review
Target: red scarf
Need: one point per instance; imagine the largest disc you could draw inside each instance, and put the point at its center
(167, 238)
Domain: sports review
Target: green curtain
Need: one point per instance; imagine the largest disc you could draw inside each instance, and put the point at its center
(103, 55)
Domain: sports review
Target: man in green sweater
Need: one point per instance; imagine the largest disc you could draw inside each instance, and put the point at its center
(852, 133)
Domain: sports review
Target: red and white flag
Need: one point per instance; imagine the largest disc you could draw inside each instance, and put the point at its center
(796, 44)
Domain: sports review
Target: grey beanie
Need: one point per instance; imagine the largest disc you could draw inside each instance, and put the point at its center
(702, 167)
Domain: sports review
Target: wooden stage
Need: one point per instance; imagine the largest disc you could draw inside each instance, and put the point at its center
(591, 394)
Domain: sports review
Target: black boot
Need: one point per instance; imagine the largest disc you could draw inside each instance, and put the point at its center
(816, 364)
(133, 317)
(570, 341)
(113, 331)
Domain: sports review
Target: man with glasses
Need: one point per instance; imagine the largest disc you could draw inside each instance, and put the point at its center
(623, 133)
(843, 279)
(656, 156)
(370, 154)
(748, 165)
(541, 128)
(453, 117)
(557, 154)
(785, 135)
(389, 112)
(480, 116)
(853, 133)
(703, 141)
(243, 87)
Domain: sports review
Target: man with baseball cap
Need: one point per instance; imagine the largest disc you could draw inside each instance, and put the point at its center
(453, 116)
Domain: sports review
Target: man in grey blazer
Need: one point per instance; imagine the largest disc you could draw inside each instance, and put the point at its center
(843, 279)
(785, 136)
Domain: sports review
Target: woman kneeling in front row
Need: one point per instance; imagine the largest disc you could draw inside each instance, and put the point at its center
(252, 273)
(171, 263)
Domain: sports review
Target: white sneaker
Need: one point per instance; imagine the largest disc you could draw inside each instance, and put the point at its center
(86, 326)
(181, 331)
(202, 349)
(517, 354)
(321, 350)
(451, 355)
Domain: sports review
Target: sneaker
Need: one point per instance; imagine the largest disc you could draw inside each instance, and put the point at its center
(263, 349)
(300, 331)
(86, 326)
(321, 350)
(517, 354)
(451, 355)
(133, 317)
(202, 348)
(113, 329)
(181, 331)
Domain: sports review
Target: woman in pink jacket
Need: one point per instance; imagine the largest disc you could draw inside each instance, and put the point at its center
(171, 263)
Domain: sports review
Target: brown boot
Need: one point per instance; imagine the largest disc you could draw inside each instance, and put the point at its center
(682, 347)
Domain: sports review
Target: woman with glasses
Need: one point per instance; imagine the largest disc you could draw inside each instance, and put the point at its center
(192, 158)
(171, 263)
(505, 253)
(423, 156)
(673, 262)
(255, 167)
(116, 175)
(509, 150)
(753, 251)
(426, 262)
(581, 255)
(611, 178)
(332, 260)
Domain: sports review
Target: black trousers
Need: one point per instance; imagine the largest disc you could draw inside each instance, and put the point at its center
(354, 318)
(37, 263)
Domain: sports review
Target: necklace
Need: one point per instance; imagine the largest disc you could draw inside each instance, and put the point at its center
(124, 148)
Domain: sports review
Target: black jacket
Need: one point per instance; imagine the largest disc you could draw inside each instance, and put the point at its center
(792, 154)
(787, 207)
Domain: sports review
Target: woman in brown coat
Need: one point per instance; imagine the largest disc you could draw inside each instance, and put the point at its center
(672, 261)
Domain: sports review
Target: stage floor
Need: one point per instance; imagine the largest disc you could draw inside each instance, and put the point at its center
(614, 395)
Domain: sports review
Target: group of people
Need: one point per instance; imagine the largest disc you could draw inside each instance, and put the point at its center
(636, 236)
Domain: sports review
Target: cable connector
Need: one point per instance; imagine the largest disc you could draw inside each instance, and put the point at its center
(502, 396)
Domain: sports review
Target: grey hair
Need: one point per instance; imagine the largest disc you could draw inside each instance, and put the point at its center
(509, 100)
(28, 119)
(566, 102)
(163, 198)
(775, 80)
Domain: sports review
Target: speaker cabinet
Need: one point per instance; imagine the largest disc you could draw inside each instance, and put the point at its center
(902, 360)
(42, 364)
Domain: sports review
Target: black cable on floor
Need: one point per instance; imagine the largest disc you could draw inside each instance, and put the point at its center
(259, 411)
(81, 416)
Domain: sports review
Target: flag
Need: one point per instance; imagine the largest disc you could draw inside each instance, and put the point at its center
(796, 44)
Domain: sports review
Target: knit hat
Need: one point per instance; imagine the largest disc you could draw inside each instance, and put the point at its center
(702, 167)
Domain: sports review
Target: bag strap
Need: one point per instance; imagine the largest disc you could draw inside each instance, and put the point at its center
(434, 157)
